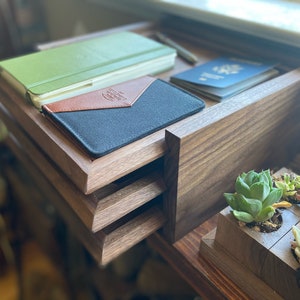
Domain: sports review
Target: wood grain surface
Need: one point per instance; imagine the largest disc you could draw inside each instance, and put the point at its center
(202, 154)
(258, 128)
(206, 278)
(91, 174)
(108, 243)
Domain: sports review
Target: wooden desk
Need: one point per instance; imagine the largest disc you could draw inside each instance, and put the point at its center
(205, 278)
(195, 161)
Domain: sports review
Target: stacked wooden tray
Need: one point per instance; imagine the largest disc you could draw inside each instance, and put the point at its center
(109, 221)
(171, 179)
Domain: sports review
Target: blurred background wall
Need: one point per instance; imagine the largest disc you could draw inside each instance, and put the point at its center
(72, 17)
(24, 23)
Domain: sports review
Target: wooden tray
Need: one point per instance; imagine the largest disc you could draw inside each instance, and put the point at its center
(97, 210)
(202, 153)
(107, 243)
(89, 174)
(259, 127)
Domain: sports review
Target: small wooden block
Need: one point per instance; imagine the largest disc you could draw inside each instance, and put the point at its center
(248, 246)
(256, 288)
(280, 268)
(263, 260)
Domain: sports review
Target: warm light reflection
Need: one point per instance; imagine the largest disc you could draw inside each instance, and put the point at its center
(281, 14)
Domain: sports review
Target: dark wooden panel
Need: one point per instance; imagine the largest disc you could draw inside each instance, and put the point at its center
(256, 129)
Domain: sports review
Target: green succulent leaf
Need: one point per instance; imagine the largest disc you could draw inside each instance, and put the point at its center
(268, 177)
(231, 200)
(290, 194)
(251, 206)
(282, 185)
(259, 190)
(265, 214)
(297, 182)
(296, 233)
(242, 187)
(243, 216)
(249, 177)
(273, 197)
(297, 252)
(254, 196)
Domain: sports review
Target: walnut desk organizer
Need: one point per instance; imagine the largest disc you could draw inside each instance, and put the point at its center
(173, 179)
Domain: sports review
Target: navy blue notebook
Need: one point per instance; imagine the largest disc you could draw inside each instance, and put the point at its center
(105, 120)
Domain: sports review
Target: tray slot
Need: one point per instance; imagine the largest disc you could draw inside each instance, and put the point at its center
(106, 244)
(98, 209)
(123, 201)
(87, 174)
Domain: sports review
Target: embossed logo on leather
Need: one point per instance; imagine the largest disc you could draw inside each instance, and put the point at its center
(117, 96)
(113, 95)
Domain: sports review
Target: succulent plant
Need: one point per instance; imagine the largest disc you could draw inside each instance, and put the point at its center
(290, 185)
(254, 197)
(296, 242)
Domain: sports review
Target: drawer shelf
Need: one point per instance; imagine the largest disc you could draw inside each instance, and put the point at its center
(107, 243)
(187, 166)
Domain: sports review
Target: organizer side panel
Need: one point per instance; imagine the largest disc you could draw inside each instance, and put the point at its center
(246, 132)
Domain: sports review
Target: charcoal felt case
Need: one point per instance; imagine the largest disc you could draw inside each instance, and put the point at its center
(152, 105)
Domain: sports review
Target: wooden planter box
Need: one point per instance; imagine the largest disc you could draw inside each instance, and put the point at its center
(262, 264)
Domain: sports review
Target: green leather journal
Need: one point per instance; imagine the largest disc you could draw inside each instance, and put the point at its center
(65, 71)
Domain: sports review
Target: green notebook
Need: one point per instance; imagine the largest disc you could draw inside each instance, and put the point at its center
(80, 67)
